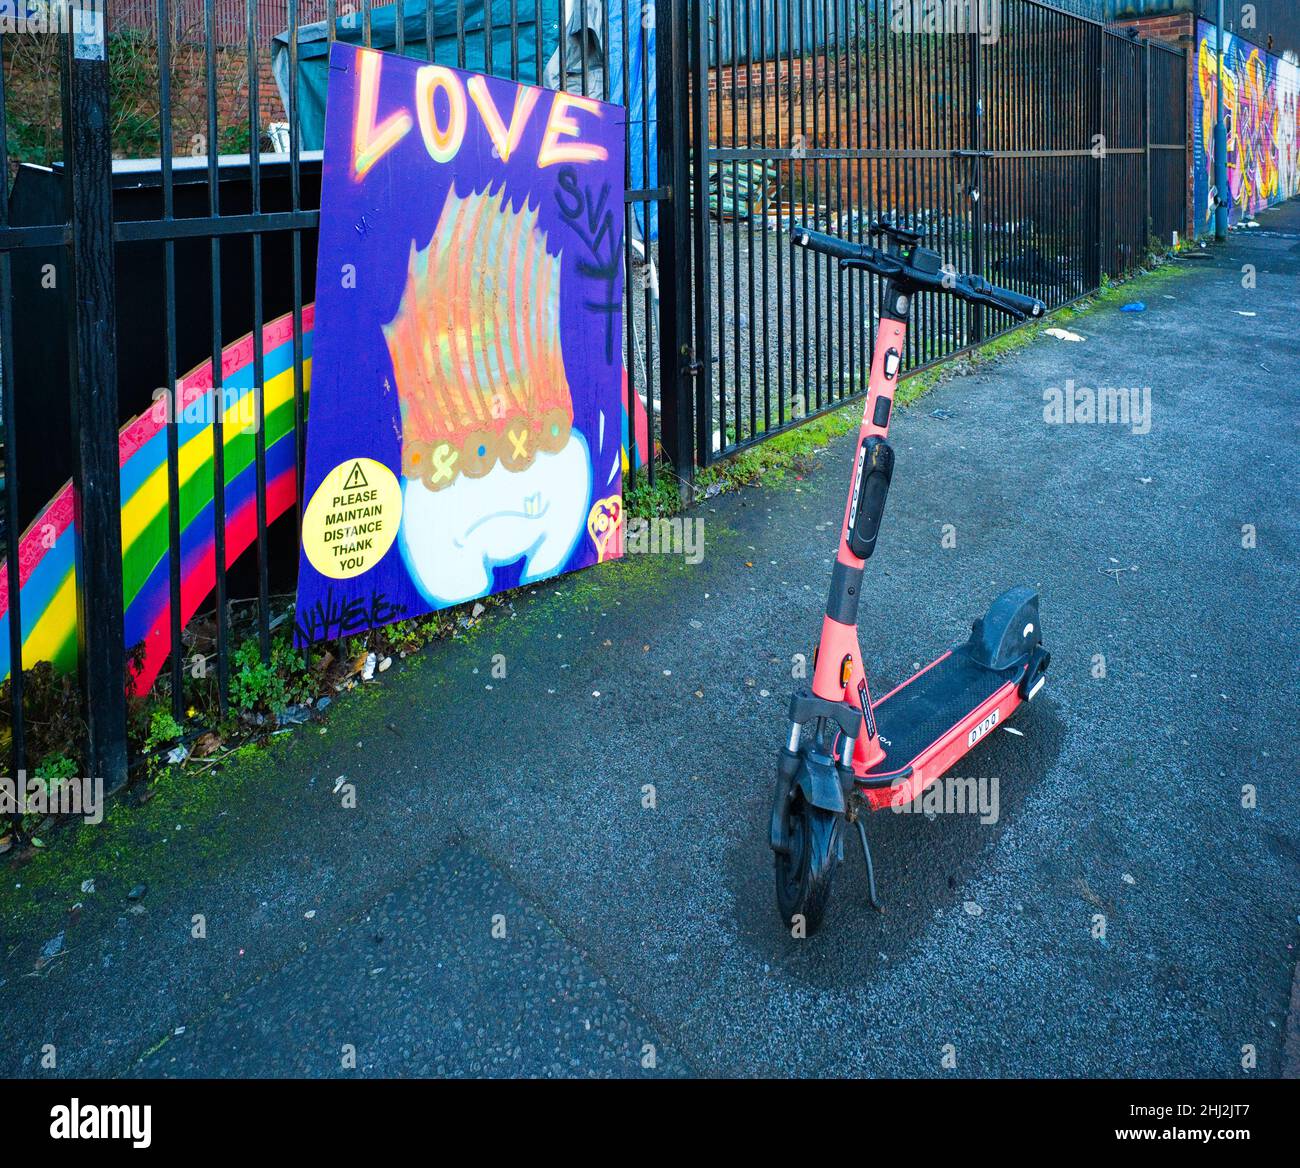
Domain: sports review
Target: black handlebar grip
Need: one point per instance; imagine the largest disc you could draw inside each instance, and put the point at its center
(1013, 302)
(830, 245)
(1025, 305)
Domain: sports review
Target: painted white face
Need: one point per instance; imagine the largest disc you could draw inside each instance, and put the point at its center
(452, 539)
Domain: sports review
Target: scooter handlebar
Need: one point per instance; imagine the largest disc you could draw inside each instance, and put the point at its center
(974, 289)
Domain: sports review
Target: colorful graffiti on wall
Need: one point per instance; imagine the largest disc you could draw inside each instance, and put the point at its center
(1261, 95)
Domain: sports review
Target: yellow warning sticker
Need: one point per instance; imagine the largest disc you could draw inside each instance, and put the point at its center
(352, 518)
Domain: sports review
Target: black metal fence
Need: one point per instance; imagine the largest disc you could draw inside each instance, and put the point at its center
(1044, 157)
(159, 266)
(1034, 147)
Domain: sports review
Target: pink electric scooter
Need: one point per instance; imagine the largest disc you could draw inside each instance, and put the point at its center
(863, 755)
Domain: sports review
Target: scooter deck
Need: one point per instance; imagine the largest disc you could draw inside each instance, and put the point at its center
(923, 710)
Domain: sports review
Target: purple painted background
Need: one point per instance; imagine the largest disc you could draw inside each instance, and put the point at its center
(371, 224)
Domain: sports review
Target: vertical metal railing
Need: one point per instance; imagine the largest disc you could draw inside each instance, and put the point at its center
(1169, 142)
(169, 360)
(221, 596)
(1021, 150)
(17, 760)
(92, 355)
(766, 112)
(225, 229)
(676, 369)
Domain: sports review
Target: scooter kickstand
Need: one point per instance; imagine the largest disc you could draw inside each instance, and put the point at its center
(872, 899)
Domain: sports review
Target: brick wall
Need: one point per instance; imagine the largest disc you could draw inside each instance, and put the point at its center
(781, 105)
(770, 106)
(230, 35)
(1174, 27)
(189, 97)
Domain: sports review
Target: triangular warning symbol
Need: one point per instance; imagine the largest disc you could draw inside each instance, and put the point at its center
(356, 480)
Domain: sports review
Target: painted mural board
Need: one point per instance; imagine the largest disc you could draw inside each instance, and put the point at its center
(1261, 95)
(466, 422)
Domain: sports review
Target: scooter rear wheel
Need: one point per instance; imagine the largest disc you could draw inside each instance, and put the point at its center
(803, 874)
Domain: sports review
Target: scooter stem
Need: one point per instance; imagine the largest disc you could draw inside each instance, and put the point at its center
(839, 652)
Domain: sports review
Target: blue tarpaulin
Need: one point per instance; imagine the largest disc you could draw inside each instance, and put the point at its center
(313, 49)
(639, 98)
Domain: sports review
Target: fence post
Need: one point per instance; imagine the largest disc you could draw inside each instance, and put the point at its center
(977, 142)
(697, 154)
(1146, 131)
(87, 155)
(676, 356)
(1100, 128)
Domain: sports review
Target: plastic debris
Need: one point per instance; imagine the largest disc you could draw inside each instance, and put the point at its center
(1136, 306)
(1063, 334)
(53, 947)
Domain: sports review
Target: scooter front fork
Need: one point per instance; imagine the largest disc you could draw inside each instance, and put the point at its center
(839, 676)
(825, 781)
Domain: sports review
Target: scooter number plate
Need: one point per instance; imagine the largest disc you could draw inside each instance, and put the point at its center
(983, 728)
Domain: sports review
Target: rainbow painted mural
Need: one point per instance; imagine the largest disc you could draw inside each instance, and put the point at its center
(46, 550)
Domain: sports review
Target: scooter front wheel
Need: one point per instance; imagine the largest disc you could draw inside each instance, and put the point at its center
(803, 874)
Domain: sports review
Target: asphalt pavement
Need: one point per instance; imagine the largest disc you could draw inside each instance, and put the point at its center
(564, 871)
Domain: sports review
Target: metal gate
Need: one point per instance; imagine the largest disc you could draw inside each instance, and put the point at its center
(1038, 149)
